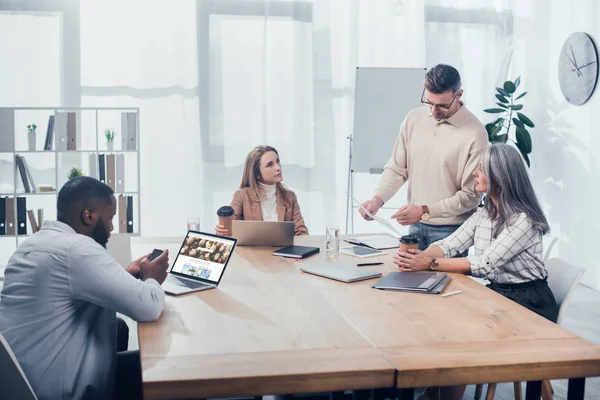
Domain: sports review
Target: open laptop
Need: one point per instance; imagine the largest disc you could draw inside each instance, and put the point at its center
(200, 263)
(340, 272)
(263, 233)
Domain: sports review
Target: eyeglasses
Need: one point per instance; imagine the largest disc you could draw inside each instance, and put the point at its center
(442, 106)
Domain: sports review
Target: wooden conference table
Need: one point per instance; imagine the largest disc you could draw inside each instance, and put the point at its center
(271, 329)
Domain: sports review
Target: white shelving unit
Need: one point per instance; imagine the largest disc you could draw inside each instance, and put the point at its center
(51, 167)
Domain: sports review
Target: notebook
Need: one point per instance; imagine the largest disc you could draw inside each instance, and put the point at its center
(296, 251)
(340, 272)
(378, 242)
(422, 282)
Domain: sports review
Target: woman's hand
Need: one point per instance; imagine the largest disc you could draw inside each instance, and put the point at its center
(221, 230)
(412, 261)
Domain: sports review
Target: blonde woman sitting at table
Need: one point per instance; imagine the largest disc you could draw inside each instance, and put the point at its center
(507, 235)
(262, 196)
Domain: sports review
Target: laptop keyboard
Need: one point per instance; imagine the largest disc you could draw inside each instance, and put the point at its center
(185, 283)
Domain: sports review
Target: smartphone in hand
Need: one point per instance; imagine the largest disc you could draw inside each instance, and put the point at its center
(155, 254)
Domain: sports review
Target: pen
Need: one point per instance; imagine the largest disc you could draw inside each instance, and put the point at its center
(367, 264)
(451, 293)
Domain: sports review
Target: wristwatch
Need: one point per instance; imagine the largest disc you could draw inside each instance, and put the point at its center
(425, 216)
(433, 264)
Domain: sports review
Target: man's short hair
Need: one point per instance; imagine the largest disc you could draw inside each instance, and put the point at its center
(442, 78)
(80, 192)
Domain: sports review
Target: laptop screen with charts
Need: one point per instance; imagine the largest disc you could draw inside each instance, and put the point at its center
(263, 233)
(202, 260)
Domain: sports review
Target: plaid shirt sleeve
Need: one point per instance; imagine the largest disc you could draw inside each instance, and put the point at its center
(462, 239)
(516, 237)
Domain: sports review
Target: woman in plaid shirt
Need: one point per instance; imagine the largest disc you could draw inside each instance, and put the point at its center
(506, 233)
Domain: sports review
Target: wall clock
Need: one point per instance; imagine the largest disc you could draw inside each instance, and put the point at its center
(578, 68)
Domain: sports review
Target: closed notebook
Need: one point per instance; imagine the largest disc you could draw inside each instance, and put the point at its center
(296, 251)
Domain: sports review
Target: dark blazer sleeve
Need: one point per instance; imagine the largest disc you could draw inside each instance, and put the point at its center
(297, 218)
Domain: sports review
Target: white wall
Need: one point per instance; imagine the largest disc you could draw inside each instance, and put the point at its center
(564, 166)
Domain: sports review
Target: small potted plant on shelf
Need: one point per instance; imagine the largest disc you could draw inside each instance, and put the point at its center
(74, 172)
(31, 136)
(110, 138)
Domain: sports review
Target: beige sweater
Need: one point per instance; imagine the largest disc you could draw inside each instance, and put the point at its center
(438, 159)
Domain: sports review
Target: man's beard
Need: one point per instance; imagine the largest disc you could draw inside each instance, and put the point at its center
(100, 233)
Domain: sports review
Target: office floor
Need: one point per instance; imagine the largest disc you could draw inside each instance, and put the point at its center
(582, 318)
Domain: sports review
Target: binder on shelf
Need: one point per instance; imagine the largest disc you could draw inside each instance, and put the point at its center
(10, 216)
(129, 214)
(110, 171)
(132, 131)
(40, 217)
(71, 131)
(101, 168)
(122, 214)
(124, 130)
(32, 221)
(60, 130)
(2, 216)
(7, 130)
(21, 216)
(49, 133)
(93, 165)
(120, 173)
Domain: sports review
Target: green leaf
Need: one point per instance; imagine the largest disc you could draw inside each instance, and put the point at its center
(496, 129)
(501, 99)
(503, 92)
(517, 107)
(526, 157)
(502, 105)
(494, 110)
(509, 87)
(517, 82)
(521, 96)
(501, 138)
(523, 140)
(525, 120)
(489, 128)
(518, 123)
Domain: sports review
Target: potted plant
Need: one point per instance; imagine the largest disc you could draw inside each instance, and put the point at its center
(74, 172)
(513, 124)
(110, 138)
(31, 136)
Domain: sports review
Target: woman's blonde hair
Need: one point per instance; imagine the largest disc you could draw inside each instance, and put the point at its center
(252, 172)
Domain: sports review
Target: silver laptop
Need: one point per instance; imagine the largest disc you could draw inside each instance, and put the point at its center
(263, 233)
(200, 263)
(340, 272)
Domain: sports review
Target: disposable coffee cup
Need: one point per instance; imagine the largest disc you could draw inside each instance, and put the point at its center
(408, 242)
(225, 215)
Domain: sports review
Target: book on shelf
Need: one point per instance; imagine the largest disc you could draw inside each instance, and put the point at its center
(32, 221)
(40, 220)
(25, 172)
(7, 130)
(49, 133)
(93, 165)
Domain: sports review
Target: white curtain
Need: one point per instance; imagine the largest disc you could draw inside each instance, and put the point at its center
(214, 78)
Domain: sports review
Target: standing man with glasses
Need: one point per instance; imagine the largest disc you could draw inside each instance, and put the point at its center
(438, 149)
